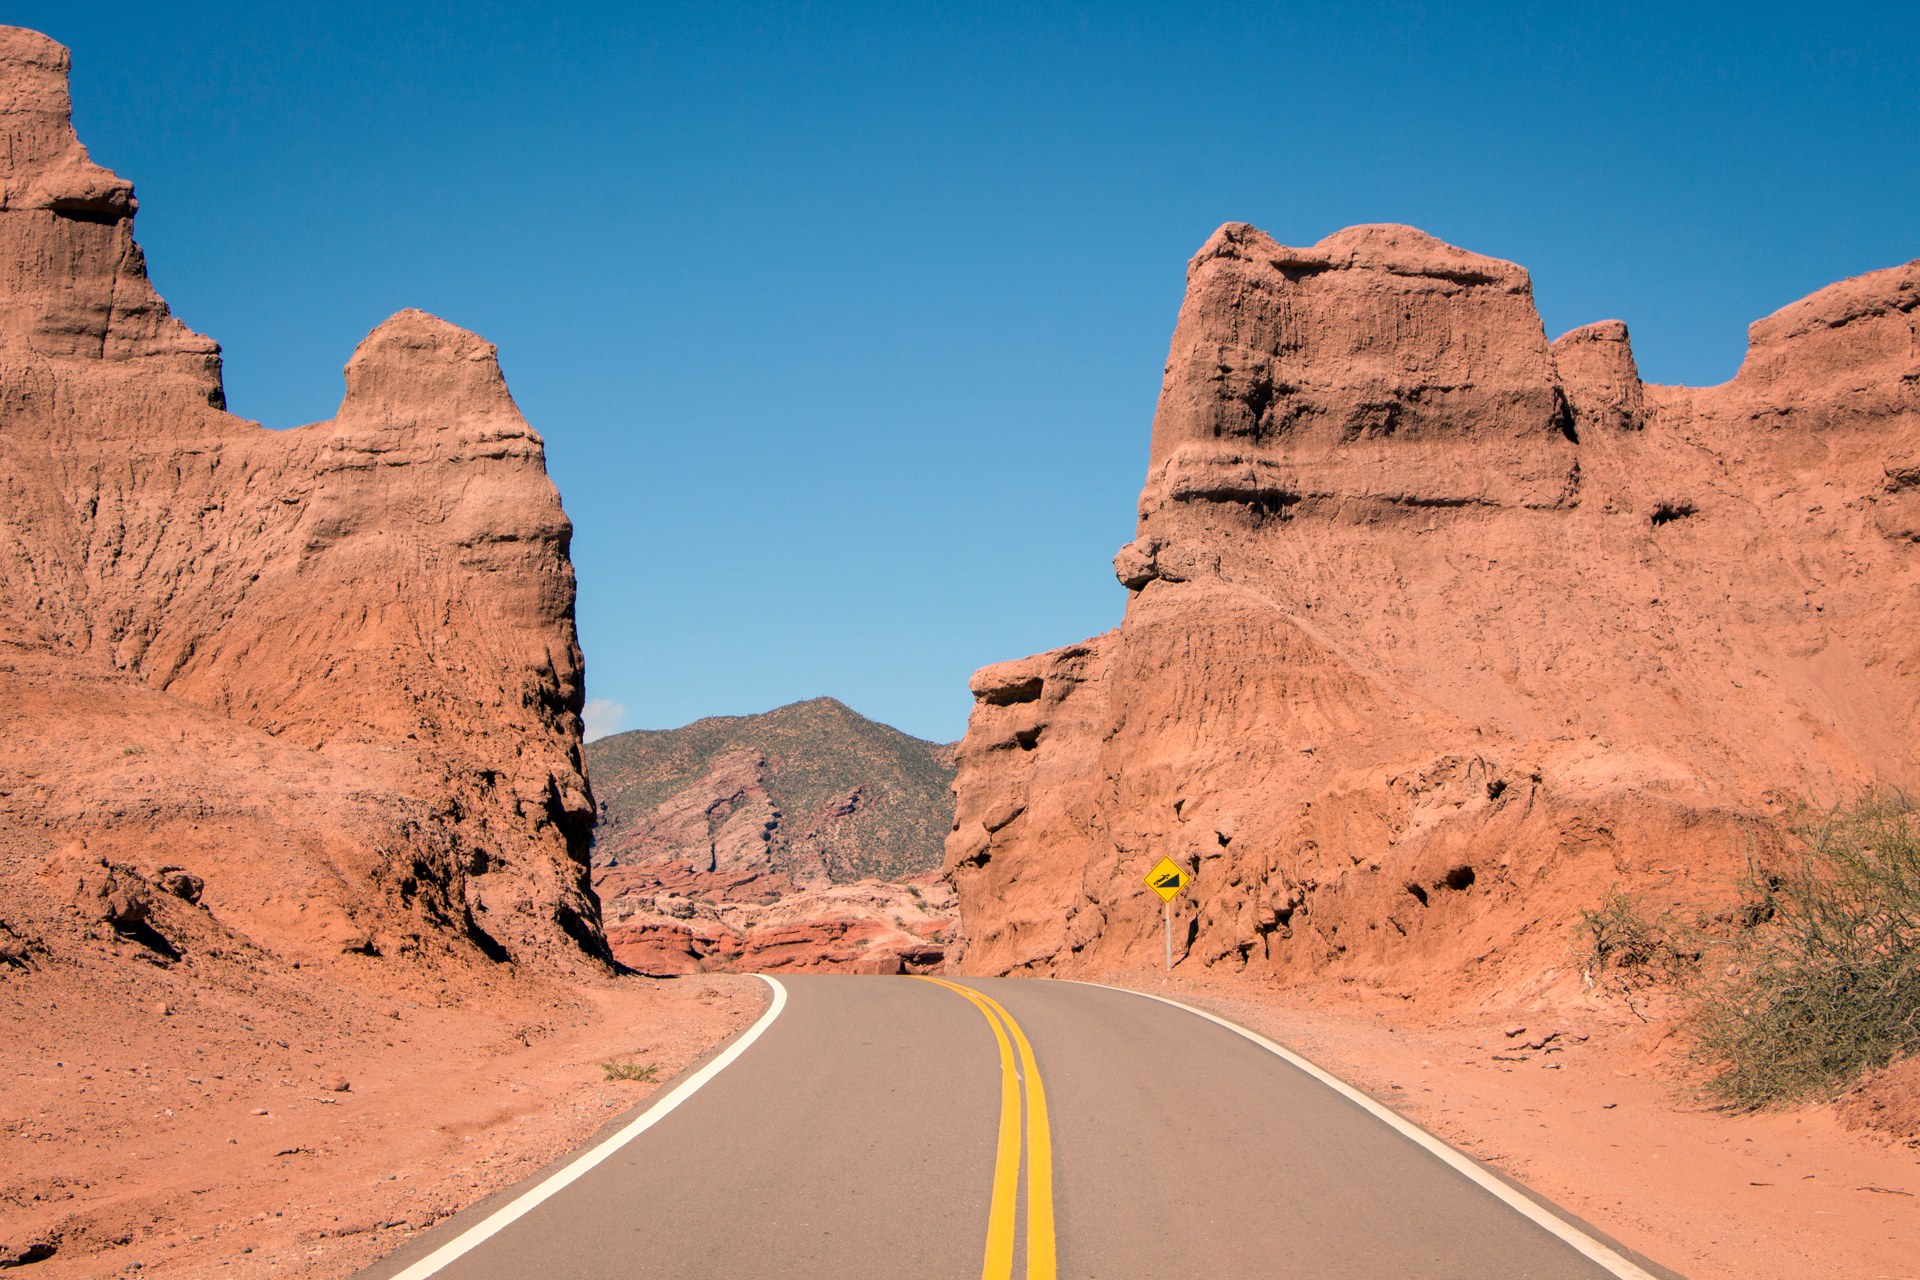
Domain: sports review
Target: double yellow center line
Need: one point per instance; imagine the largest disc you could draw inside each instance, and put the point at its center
(1006, 1163)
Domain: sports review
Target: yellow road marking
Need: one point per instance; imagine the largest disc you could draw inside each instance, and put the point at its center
(1006, 1162)
(1006, 1168)
(1040, 1249)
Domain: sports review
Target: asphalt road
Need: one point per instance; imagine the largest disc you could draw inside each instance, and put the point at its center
(902, 1127)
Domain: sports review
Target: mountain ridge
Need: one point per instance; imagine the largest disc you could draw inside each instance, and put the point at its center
(805, 795)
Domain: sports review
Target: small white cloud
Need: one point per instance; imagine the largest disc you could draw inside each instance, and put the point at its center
(603, 717)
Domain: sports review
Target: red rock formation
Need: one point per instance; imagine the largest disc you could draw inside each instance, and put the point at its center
(713, 836)
(330, 672)
(1438, 629)
(870, 926)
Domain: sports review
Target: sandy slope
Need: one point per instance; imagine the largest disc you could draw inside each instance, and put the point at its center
(201, 1139)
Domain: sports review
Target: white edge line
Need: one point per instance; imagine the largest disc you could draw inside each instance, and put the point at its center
(508, 1214)
(1585, 1244)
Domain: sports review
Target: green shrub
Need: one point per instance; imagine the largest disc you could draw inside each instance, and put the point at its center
(627, 1069)
(1822, 981)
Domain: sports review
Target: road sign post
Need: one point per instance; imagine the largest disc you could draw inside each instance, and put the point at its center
(1167, 879)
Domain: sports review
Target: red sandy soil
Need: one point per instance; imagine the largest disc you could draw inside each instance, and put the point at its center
(1888, 1101)
(1601, 1120)
(203, 1141)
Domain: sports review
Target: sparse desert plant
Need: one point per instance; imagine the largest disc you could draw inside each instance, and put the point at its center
(628, 1069)
(1620, 935)
(1822, 980)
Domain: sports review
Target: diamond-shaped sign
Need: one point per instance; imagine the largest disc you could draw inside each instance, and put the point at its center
(1167, 879)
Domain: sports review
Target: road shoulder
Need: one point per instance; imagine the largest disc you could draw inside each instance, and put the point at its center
(1595, 1121)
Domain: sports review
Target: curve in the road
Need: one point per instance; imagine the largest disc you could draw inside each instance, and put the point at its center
(1583, 1243)
(872, 1130)
(538, 1194)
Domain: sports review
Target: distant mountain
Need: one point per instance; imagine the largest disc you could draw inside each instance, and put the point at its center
(749, 808)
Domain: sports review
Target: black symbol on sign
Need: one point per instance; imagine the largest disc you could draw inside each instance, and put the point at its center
(1169, 881)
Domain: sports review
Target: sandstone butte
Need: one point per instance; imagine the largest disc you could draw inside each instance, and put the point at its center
(312, 691)
(1437, 630)
(290, 770)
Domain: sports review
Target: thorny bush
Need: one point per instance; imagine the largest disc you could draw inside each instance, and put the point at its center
(1620, 935)
(1822, 980)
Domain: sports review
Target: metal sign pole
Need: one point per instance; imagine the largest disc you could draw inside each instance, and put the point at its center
(1167, 880)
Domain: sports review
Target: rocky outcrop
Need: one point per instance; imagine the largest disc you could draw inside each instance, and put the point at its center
(869, 926)
(722, 827)
(331, 673)
(1438, 629)
(750, 808)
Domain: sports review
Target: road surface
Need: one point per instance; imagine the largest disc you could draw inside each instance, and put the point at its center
(994, 1128)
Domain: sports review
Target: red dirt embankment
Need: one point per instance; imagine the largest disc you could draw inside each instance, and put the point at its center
(191, 1121)
(868, 926)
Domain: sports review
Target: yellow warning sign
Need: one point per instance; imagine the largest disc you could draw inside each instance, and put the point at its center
(1167, 879)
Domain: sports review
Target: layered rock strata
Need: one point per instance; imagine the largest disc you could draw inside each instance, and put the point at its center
(1438, 629)
(330, 674)
(869, 926)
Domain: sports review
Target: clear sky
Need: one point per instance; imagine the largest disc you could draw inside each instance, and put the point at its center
(844, 324)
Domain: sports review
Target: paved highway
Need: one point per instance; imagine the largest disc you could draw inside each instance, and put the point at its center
(1001, 1127)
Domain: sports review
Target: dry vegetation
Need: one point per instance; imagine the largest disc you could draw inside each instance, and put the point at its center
(1808, 985)
(1822, 985)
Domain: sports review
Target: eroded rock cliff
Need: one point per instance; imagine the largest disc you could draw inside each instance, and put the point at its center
(329, 674)
(868, 926)
(1438, 629)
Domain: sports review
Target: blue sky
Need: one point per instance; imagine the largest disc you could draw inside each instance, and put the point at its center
(844, 324)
